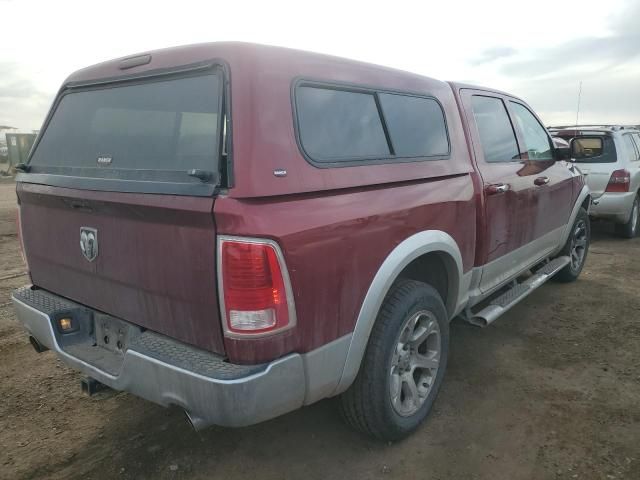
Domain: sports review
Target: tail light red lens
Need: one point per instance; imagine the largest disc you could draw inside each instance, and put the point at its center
(619, 181)
(254, 287)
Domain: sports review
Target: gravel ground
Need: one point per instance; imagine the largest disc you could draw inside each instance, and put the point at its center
(551, 390)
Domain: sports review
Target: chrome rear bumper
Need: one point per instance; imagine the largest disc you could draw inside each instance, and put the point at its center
(167, 372)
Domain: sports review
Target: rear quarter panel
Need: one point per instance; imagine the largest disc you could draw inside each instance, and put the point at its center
(334, 244)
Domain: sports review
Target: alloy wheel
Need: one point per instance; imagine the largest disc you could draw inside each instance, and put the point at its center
(415, 363)
(578, 244)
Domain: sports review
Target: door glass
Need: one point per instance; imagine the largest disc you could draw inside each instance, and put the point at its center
(636, 138)
(536, 139)
(630, 146)
(494, 127)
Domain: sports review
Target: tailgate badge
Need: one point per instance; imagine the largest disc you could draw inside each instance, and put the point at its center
(89, 243)
(104, 160)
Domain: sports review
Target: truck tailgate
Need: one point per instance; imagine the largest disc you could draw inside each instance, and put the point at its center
(155, 262)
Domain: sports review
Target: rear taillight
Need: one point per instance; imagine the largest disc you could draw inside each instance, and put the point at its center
(19, 230)
(255, 293)
(619, 181)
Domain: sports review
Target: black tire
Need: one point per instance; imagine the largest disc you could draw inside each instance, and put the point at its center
(630, 229)
(571, 272)
(367, 405)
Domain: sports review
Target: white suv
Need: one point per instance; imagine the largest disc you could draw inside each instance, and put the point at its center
(609, 157)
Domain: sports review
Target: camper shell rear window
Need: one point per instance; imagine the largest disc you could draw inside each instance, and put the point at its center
(153, 130)
(606, 154)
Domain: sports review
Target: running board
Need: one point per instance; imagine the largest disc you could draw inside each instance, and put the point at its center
(515, 294)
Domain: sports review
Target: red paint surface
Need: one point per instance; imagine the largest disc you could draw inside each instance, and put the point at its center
(526, 211)
(156, 261)
(334, 245)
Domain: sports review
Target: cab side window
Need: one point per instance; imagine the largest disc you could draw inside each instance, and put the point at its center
(494, 127)
(537, 141)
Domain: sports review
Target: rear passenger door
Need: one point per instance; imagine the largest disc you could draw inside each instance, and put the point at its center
(518, 228)
(552, 180)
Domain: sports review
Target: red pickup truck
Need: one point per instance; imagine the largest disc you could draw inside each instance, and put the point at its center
(241, 230)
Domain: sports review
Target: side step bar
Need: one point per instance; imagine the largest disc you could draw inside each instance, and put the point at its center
(515, 294)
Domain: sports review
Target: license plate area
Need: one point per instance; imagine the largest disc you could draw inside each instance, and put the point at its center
(113, 334)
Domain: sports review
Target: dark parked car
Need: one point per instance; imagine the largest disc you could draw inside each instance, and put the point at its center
(240, 230)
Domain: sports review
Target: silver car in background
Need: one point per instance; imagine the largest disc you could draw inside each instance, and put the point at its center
(609, 157)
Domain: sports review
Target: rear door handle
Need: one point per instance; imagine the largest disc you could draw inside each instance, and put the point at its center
(541, 181)
(497, 188)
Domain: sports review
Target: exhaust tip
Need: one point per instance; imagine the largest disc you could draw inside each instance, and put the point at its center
(479, 322)
(37, 346)
(197, 423)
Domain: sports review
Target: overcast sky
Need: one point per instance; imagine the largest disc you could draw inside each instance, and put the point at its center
(539, 50)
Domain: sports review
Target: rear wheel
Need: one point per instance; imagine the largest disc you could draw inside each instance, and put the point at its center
(576, 248)
(403, 366)
(630, 229)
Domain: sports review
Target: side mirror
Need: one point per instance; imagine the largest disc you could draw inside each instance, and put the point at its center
(562, 149)
(563, 153)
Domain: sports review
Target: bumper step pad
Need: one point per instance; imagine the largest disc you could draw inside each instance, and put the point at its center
(147, 343)
(152, 366)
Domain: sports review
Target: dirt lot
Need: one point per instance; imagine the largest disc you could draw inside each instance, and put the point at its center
(550, 391)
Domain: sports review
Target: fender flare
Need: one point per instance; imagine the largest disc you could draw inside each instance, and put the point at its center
(402, 255)
(584, 193)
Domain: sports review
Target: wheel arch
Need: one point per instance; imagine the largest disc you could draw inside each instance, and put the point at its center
(438, 269)
(433, 248)
(583, 200)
